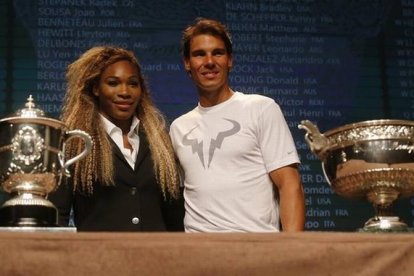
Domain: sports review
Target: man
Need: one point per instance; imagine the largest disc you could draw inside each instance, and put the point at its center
(237, 153)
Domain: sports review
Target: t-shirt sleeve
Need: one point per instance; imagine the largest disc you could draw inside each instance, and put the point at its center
(275, 139)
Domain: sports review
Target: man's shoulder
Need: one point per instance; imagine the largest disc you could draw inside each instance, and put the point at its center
(254, 99)
(184, 117)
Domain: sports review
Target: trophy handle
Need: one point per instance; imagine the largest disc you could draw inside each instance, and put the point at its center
(88, 145)
(325, 174)
(317, 142)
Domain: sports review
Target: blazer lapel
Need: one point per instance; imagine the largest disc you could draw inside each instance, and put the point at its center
(117, 152)
(143, 150)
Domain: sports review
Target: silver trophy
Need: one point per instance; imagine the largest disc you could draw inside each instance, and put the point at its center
(32, 164)
(371, 160)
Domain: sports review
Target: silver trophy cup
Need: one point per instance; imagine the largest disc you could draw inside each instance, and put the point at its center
(371, 160)
(32, 165)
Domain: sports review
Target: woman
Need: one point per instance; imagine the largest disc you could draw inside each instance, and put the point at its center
(130, 180)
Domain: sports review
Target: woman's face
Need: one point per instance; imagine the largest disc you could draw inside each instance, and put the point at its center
(119, 92)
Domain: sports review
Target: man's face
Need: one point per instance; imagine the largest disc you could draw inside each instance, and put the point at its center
(209, 63)
(119, 92)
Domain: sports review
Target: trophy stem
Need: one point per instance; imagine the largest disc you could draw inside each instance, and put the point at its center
(384, 220)
(383, 210)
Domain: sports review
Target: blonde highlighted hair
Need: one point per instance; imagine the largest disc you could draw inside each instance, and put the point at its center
(80, 111)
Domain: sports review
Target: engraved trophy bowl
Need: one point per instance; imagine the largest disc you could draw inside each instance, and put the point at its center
(32, 165)
(371, 160)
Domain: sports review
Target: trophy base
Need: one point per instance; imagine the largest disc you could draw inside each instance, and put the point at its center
(385, 224)
(28, 216)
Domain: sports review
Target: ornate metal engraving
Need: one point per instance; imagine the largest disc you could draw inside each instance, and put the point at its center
(33, 164)
(373, 160)
(27, 145)
(371, 133)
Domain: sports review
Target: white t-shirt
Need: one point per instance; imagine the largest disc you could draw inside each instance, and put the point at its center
(227, 152)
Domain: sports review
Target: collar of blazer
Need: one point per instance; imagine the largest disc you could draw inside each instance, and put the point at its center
(142, 150)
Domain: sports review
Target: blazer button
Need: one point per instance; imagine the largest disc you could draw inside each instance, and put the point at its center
(135, 220)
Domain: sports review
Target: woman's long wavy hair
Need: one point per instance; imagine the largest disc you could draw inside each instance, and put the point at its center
(80, 111)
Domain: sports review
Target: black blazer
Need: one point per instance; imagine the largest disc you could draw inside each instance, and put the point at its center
(135, 203)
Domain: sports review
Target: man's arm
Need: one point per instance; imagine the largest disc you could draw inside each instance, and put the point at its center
(292, 199)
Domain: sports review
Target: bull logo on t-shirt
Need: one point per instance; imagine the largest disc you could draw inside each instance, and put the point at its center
(197, 147)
